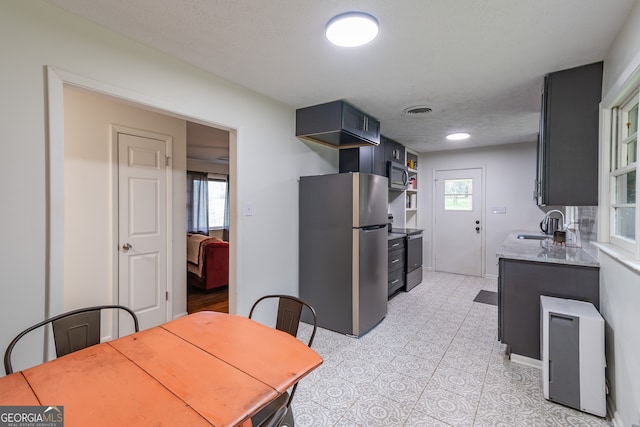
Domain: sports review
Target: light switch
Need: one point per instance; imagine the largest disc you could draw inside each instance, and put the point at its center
(499, 210)
(248, 209)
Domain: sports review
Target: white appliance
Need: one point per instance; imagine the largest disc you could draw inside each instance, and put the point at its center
(573, 358)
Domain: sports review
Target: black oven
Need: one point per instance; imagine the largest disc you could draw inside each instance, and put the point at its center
(398, 176)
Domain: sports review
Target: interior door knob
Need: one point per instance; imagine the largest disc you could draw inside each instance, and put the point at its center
(477, 221)
(126, 247)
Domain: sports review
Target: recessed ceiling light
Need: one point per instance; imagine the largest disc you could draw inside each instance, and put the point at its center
(352, 29)
(458, 136)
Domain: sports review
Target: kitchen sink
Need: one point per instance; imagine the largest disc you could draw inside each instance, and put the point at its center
(534, 236)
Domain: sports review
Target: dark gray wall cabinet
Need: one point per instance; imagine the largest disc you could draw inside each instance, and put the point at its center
(338, 124)
(568, 141)
(372, 159)
(393, 150)
(363, 159)
(520, 285)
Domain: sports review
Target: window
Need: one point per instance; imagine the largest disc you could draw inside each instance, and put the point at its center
(217, 202)
(623, 177)
(458, 194)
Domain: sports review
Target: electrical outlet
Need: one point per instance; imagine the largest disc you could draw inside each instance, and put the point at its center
(499, 210)
(248, 209)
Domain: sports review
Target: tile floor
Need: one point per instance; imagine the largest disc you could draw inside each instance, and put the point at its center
(433, 361)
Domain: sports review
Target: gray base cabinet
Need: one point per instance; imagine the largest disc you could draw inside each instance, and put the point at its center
(520, 285)
(396, 265)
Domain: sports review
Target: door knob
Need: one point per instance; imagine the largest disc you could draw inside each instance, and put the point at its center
(477, 221)
(477, 229)
(126, 247)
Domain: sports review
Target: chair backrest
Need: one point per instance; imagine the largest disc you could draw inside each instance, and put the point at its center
(72, 331)
(289, 314)
(288, 320)
(277, 418)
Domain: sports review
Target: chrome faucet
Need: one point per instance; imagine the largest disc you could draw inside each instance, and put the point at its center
(561, 214)
(544, 224)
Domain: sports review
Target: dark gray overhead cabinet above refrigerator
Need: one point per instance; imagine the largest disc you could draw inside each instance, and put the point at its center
(343, 250)
(337, 124)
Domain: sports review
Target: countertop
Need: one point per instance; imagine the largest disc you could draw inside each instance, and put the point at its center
(392, 236)
(406, 231)
(546, 251)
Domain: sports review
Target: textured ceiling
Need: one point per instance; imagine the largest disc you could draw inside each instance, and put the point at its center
(207, 144)
(479, 64)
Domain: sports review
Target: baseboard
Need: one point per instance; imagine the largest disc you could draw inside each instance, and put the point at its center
(184, 313)
(615, 420)
(490, 276)
(524, 360)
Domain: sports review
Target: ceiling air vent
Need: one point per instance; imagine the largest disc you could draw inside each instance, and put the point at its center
(417, 111)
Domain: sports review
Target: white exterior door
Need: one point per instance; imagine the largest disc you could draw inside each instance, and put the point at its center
(458, 221)
(142, 226)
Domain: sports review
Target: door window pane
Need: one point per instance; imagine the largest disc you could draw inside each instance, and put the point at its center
(458, 194)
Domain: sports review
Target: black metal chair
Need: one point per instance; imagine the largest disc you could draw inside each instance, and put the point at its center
(275, 414)
(72, 331)
(287, 320)
(277, 418)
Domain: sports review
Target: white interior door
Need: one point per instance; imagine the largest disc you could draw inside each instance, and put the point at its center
(142, 227)
(458, 221)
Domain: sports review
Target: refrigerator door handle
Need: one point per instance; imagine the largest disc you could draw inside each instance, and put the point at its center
(373, 227)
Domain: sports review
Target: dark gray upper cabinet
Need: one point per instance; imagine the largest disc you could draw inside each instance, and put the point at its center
(363, 159)
(372, 159)
(338, 124)
(568, 141)
(393, 150)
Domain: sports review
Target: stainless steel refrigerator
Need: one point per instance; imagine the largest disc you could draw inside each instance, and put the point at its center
(343, 249)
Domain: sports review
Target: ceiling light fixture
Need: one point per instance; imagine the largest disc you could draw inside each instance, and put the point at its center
(458, 136)
(352, 29)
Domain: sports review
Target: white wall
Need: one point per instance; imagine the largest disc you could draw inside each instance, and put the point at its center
(620, 286)
(88, 207)
(510, 172)
(624, 51)
(268, 158)
(619, 305)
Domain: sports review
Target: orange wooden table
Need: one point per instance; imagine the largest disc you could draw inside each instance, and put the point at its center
(200, 370)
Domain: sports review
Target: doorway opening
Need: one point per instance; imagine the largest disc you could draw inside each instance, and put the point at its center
(208, 181)
(57, 226)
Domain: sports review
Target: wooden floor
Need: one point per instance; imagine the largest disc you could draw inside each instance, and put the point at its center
(214, 300)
